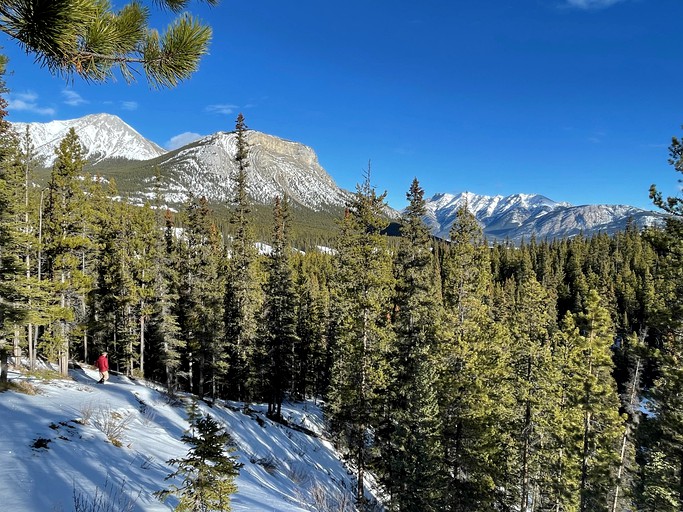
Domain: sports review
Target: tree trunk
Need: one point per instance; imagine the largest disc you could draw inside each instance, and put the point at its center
(624, 439)
(142, 345)
(4, 355)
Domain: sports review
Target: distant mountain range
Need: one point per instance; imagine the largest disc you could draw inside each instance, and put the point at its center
(279, 167)
(521, 216)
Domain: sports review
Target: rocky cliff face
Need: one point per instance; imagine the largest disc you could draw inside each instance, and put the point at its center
(277, 167)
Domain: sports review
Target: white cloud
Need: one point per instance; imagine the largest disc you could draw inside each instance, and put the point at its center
(129, 105)
(178, 141)
(72, 98)
(222, 109)
(592, 4)
(27, 102)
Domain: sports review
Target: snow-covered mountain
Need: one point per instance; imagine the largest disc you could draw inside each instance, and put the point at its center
(276, 167)
(104, 137)
(522, 216)
(108, 445)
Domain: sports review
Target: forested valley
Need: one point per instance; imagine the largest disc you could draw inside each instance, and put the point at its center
(465, 376)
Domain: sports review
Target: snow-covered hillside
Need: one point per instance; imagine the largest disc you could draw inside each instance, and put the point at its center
(104, 136)
(52, 447)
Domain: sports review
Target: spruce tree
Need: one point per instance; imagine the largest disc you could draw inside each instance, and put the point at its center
(242, 298)
(208, 471)
(409, 437)
(474, 388)
(201, 298)
(11, 298)
(278, 333)
(65, 240)
(361, 298)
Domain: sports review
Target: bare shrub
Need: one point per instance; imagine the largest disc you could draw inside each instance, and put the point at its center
(268, 463)
(110, 498)
(86, 410)
(298, 473)
(325, 499)
(112, 423)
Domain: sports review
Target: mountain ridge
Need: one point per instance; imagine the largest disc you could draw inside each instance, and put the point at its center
(280, 167)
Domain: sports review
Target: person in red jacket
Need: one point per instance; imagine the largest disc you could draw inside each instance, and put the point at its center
(103, 366)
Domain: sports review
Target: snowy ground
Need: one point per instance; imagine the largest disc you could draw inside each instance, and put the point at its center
(52, 447)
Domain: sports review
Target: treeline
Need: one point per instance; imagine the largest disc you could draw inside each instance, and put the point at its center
(465, 377)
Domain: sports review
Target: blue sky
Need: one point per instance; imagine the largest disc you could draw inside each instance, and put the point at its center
(573, 99)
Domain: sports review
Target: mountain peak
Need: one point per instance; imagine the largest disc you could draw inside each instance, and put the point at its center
(520, 216)
(104, 136)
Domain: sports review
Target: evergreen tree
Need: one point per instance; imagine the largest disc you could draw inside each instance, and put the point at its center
(166, 337)
(599, 403)
(242, 299)
(410, 443)
(89, 39)
(278, 334)
(362, 287)
(662, 453)
(530, 319)
(208, 471)
(310, 367)
(11, 310)
(201, 298)
(65, 241)
(475, 393)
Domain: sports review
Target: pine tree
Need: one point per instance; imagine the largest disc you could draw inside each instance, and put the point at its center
(65, 241)
(208, 471)
(242, 300)
(278, 334)
(602, 424)
(475, 392)
(11, 298)
(409, 437)
(89, 39)
(362, 286)
(310, 367)
(662, 480)
(530, 319)
(166, 339)
(201, 297)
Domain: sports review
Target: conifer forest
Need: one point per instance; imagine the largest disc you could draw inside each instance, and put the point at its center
(464, 375)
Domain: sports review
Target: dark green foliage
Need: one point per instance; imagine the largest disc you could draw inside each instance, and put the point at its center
(475, 394)
(11, 297)
(202, 284)
(242, 298)
(89, 39)
(208, 471)
(409, 436)
(278, 336)
(67, 240)
(361, 292)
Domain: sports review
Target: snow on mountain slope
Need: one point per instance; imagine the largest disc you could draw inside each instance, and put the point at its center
(104, 136)
(276, 167)
(48, 451)
(521, 216)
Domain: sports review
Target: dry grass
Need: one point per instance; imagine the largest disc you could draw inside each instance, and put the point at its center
(111, 423)
(19, 386)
